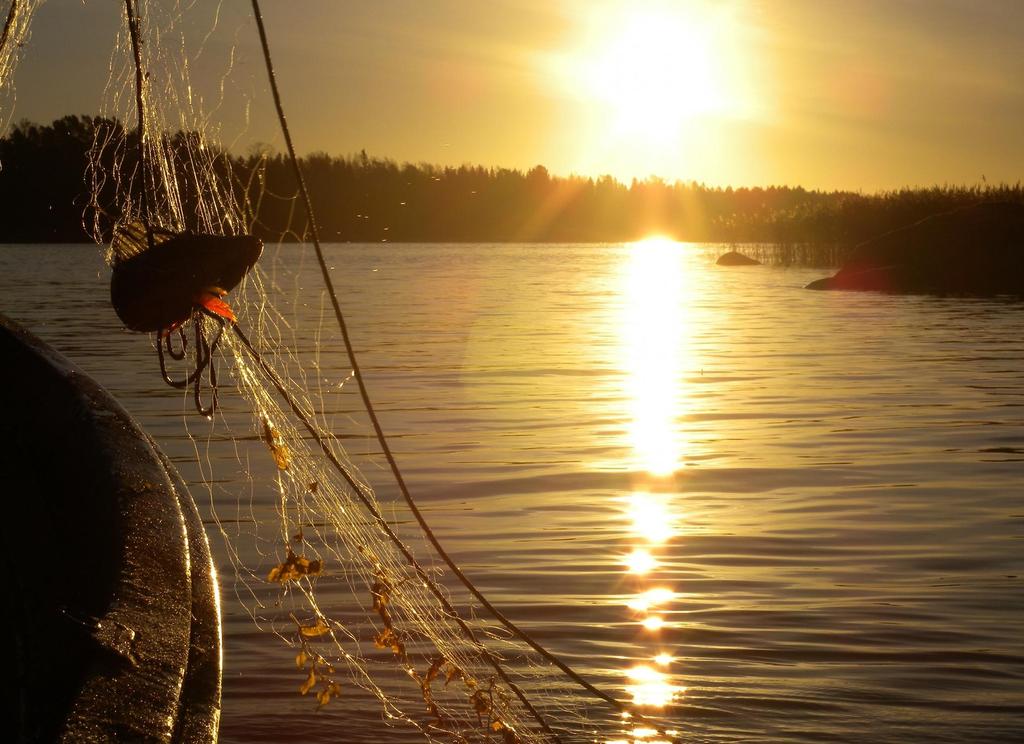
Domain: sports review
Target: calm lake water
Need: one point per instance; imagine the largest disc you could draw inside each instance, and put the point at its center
(798, 514)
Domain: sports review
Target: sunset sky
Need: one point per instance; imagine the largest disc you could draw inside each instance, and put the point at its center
(861, 94)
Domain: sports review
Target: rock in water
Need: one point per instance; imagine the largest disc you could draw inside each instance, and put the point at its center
(976, 250)
(735, 258)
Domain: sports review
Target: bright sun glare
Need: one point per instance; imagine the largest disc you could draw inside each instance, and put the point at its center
(656, 72)
(652, 81)
(655, 353)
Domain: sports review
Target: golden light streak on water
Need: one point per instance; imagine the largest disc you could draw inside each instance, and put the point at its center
(654, 622)
(651, 688)
(653, 330)
(651, 598)
(640, 561)
(656, 329)
(641, 735)
(652, 518)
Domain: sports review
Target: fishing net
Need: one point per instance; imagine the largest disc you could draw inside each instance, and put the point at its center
(351, 582)
(13, 38)
(156, 156)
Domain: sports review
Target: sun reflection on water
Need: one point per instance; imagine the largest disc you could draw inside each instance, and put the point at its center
(652, 518)
(651, 598)
(655, 334)
(654, 622)
(655, 287)
(649, 687)
(640, 561)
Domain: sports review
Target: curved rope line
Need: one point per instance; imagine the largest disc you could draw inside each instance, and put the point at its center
(368, 503)
(140, 109)
(203, 359)
(176, 355)
(206, 360)
(12, 14)
(371, 412)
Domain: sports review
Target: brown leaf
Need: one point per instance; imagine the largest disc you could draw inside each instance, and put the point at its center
(278, 449)
(452, 673)
(388, 638)
(312, 631)
(381, 591)
(481, 705)
(282, 456)
(434, 669)
(309, 683)
(331, 690)
(301, 658)
(428, 694)
(294, 567)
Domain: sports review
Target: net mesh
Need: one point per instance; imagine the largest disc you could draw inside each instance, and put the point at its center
(16, 19)
(179, 178)
(343, 578)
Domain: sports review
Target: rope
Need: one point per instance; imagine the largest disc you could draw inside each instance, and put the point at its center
(367, 502)
(368, 404)
(140, 107)
(12, 14)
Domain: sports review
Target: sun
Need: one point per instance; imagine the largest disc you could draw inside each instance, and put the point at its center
(655, 86)
(655, 72)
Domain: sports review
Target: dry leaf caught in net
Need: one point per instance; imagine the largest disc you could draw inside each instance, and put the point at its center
(278, 449)
(294, 567)
(330, 690)
(312, 631)
(309, 684)
(387, 638)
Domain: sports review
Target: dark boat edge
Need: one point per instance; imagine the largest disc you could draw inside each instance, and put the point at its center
(112, 620)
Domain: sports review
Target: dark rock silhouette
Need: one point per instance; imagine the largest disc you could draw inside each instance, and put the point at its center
(975, 250)
(735, 258)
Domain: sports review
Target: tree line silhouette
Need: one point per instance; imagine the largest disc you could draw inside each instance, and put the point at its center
(359, 198)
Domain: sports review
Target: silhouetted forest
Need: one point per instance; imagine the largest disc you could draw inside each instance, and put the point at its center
(360, 198)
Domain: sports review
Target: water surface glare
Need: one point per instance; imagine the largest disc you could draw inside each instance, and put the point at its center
(794, 516)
